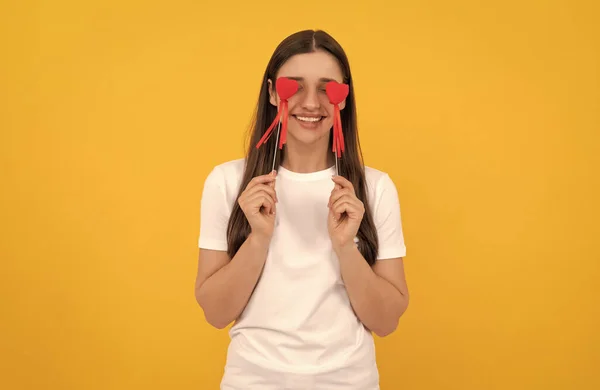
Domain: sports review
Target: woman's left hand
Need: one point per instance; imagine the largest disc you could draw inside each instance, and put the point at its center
(345, 213)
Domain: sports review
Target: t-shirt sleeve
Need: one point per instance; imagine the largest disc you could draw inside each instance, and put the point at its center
(388, 220)
(214, 212)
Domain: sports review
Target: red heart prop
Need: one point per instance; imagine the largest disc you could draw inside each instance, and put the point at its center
(286, 88)
(336, 92)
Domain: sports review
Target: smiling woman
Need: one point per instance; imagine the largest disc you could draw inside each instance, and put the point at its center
(307, 262)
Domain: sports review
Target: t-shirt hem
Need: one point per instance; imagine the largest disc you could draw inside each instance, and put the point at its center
(360, 356)
(392, 253)
(205, 243)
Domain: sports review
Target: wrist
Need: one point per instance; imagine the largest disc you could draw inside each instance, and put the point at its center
(259, 240)
(344, 249)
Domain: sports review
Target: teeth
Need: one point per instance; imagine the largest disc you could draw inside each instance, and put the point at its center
(308, 119)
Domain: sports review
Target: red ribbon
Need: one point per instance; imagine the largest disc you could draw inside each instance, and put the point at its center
(337, 93)
(286, 88)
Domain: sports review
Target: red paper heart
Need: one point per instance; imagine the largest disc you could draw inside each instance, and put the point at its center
(286, 88)
(336, 92)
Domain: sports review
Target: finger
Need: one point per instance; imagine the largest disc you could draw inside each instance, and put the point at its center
(259, 204)
(259, 200)
(337, 194)
(339, 213)
(249, 197)
(335, 215)
(343, 208)
(274, 175)
(263, 179)
(260, 180)
(346, 205)
(343, 182)
(269, 202)
(262, 187)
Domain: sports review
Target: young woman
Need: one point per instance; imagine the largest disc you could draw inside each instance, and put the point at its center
(306, 262)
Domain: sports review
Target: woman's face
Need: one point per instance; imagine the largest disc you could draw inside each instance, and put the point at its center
(310, 113)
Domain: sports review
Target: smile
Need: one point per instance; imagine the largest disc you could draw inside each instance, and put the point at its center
(309, 119)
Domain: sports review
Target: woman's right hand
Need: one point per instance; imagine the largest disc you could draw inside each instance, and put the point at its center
(258, 204)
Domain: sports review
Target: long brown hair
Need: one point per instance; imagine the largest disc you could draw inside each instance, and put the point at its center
(259, 161)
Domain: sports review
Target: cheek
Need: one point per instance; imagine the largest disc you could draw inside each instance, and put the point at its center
(328, 122)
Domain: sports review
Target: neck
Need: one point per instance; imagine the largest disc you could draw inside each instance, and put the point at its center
(307, 158)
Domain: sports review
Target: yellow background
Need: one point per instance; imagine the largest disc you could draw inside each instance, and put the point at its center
(485, 114)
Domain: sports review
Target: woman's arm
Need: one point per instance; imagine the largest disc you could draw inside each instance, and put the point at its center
(224, 286)
(378, 294)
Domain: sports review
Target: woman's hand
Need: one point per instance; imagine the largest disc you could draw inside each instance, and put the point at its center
(258, 204)
(345, 213)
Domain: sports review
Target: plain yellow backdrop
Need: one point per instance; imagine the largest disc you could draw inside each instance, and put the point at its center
(485, 114)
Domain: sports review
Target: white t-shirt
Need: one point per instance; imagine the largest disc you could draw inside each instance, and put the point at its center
(298, 330)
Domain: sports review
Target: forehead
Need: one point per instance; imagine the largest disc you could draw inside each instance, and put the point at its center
(312, 67)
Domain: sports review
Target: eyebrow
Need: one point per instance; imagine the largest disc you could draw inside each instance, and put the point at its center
(322, 79)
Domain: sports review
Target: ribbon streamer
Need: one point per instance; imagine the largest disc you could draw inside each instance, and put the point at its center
(286, 88)
(337, 93)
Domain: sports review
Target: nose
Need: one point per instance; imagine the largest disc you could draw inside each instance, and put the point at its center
(310, 100)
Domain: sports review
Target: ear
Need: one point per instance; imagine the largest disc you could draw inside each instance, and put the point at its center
(272, 93)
